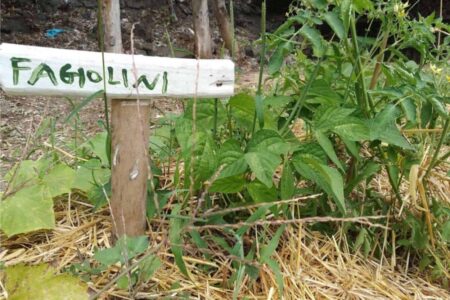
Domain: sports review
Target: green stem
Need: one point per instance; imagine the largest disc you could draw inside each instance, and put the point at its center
(216, 104)
(262, 57)
(434, 160)
(364, 99)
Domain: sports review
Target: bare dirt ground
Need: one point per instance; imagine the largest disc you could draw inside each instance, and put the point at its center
(21, 117)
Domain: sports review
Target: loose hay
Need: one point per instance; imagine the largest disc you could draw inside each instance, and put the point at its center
(314, 266)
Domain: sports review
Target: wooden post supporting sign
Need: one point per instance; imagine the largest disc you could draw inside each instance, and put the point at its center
(30, 70)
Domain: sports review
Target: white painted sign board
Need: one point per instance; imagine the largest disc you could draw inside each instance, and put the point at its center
(30, 70)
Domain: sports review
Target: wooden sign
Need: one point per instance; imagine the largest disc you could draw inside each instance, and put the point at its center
(30, 70)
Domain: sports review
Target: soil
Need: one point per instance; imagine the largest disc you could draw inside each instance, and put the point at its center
(27, 22)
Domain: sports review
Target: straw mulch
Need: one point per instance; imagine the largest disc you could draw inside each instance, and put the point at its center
(314, 266)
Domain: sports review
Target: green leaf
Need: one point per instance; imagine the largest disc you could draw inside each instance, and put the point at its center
(90, 173)
(327, 146)
(243, 109)
(26, 173)
(327, 178)
(261, 193)
(269, 249)
(268, 140)
(205, 113)
(315, 38)
(383, 128)
(41, 282)
(263, 164)
(176, 238)
(352, 129)
(445, 232)
(126, 248)
(259, 102)
(60, 180)
(236, 168)
(287, 183)
(227, 185)
(336, 24)
(345, 13)
(363, 5)
(326, 118)
(149, 266)
(27, 210)
(274, 266)
(97, 145)
(259, 214)
(83, 103)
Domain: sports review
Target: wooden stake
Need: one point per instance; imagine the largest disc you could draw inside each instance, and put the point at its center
(129, 159)
(129, 148)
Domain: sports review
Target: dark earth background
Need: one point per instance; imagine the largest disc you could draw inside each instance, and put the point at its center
(26, 22)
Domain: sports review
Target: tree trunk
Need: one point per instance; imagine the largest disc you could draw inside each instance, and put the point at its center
(129, 154)
(221, 15)
(201, 28)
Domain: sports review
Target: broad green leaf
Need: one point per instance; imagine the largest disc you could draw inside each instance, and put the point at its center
(205, 113)
(261, 193)
(329, 179)
(363, 5)
(97, 145)
(236, 168)
(206, 162)
(383, 128)
(439, 107)
(313, 149)
(42, 282)
(263, 164)
(327, 146)
(352, 129)
(243, 109)
(26, 173)
(125, 249)
(149, 266)
(287, 182)
(232, 184)
(59, 180)
(90, 173)
(27, 210)
(327, 118)
(336, 24)
(276, 102)
(268, 140)
(230, 151)
(313, 36)
(319, 4)
(176, 238)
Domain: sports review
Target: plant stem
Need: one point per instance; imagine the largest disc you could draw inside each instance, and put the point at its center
(434, 160)
(261, 58)
(364, 99)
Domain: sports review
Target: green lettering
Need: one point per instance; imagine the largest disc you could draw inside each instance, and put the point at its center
(94, 76)
(165, 83)
(43, 70)
(69, 77)
(125, 77)
(148, 85)
(111, 75)
(16, 68)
